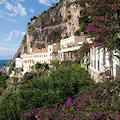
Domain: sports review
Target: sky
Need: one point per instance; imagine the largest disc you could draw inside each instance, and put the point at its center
(14, 16)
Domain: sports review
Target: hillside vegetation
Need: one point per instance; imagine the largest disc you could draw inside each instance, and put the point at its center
(35, 92)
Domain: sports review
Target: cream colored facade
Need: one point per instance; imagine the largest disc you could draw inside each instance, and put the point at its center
(65, 50)
(68, 47)
(99, 62)
(18, 63)
(27, 60)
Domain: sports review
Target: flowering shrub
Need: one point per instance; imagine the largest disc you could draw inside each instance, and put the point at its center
(62, 82)
(99, 103)
(104, 21)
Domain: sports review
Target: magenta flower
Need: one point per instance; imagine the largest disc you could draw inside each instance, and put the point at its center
(71, 118)
(94, 5)
(61, 113)
(112, 77)
(101, 73)
(79, 111)
(77, 98)
(87, 12)
(69, 101)
(91, 103)
(117, 115)
(107, 78)
(102, 3)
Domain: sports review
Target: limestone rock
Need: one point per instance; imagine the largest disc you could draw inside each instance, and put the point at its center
(57, 22)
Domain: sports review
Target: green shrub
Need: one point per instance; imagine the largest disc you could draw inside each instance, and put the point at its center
(46, 66)
(3, 78)
(29, 76)
(10, 70)
(55, 63)
(77, 32)
(0, 92)
(38, 65)
(28, 23)
(41, 65)
(33, 18)
(56, 88)
(65, 37)
(55, 41)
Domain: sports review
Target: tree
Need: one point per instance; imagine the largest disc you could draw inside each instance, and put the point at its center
(104, 16)
(38, 65)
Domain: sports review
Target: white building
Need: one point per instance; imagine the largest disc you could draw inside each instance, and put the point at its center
(65, 50)
(18, 63)
(99, 62)
(27, 60)
(69, 46)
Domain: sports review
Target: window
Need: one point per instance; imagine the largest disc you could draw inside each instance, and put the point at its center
(98, 65)
(71, 56)
(118, 71)
(104, 57)
(94, 58)
(99, 61)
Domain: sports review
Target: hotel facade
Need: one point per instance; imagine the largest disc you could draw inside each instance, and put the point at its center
(65, 50)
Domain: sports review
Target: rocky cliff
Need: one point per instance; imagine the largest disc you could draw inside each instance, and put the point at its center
(58, 22)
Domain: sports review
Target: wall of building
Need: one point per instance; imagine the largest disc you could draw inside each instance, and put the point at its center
(18, 63)
(99, 58)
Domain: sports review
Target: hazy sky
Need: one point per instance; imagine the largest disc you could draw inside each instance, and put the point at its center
(14, 16)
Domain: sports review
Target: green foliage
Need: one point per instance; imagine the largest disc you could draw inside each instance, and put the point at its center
(56, 3)
(51, 8)
(31, 27)
(38, 65)
(61, 83)
(55, 63)
(60, 1)
(45, 65)
(41, 65)
(77, 32)
(3, 78)
(28, 23)
(33, 18)
(65, 37)
(8, 107)
(29, 76)
(44, 12)
(99, 103)
(55, 41)
(84, 20)
(15, 80)
(10, 70)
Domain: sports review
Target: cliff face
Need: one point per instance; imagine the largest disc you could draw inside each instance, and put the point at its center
(59, 21)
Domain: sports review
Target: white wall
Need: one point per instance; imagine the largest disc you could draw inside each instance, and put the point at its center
(18, 63)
